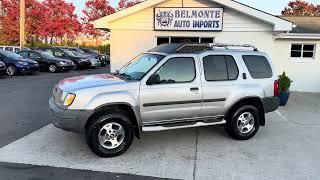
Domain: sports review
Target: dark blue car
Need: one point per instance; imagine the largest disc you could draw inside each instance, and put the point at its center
(17, 64)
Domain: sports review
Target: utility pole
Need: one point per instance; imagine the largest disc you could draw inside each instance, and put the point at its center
(22, 23)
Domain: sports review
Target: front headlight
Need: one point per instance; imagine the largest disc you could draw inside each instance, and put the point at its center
(63, 98)
(62, 63)
(22, 63)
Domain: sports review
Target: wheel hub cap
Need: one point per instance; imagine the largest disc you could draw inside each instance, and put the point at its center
(111, 135)
(245, 122)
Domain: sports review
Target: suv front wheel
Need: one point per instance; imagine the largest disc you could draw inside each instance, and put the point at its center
(243, 123)
(110, 135)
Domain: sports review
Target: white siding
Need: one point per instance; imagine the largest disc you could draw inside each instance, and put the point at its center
(233, 21)
(305, 75)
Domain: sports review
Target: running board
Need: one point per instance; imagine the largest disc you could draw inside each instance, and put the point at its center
(164, 127)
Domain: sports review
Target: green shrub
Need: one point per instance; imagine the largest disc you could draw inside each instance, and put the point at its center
(284, 82)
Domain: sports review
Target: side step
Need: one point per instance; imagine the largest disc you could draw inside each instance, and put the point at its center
(180, 126)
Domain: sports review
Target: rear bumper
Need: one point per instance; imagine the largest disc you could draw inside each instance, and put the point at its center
(270, 104)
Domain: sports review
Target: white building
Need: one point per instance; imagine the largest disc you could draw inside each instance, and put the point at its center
(144, 26)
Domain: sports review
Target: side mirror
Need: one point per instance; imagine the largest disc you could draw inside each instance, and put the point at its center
(153, 79)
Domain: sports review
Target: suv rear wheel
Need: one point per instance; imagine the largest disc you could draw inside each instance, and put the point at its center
(110, 134)
(243, 123)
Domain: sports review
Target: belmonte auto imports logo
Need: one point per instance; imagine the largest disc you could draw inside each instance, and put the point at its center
(164, 18)
(199, 19)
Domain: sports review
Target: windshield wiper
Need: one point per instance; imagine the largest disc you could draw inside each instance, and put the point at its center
(126, 75)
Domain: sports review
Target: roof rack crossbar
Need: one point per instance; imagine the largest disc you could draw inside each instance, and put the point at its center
(212, 45)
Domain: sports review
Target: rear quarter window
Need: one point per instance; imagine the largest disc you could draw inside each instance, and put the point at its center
(258, 66)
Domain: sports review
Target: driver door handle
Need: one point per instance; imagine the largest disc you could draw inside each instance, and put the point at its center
(194, 89)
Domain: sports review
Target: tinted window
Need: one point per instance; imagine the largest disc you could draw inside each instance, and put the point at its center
(16, 50)
(215, 68)
(177, 70)
(219, 68)
(258, 66)
(34, 55)
(24, 54)
(8, 48)
(233, 71)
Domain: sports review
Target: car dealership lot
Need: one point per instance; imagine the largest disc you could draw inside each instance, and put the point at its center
(287, 147)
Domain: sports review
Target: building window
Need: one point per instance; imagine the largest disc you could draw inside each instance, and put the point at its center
(303, 50)
(188, 40)
(163, 40)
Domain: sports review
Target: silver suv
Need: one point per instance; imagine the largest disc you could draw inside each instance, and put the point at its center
(169, 87)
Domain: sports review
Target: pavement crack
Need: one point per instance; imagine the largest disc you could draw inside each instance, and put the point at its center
(195, 155)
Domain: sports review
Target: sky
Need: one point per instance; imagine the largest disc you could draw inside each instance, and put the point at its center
(270, 6)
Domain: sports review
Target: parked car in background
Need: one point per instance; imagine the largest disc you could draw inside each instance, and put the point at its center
(94, 61)
(47, 61)
(104, 58)
(14, 49)
(3, 67)
(172, 86)
(17, 64)
(80, 62)
(97, 56)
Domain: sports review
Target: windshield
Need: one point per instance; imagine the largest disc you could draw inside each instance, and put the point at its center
(70, 53)
(10, 54)
(47, 55)
(140, 65)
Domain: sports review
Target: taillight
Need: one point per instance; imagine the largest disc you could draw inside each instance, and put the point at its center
(275, 88)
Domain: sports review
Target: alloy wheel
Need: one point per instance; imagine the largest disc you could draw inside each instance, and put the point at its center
(111, 135)
(245, 123)
(52, 68)
(11, 70)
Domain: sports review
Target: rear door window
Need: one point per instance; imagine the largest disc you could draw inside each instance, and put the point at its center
(258, 66)
(220, 68)
(9, 49)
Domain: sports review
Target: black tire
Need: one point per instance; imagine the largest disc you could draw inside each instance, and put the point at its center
(233, 122)
(92, 134)
(11, 70)
(53, 68)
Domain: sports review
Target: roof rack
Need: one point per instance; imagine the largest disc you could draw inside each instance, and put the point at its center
(212, 45)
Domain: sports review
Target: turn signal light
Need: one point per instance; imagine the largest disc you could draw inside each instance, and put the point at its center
(69, 99)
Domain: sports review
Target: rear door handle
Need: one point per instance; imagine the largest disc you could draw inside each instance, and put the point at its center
(194, 89)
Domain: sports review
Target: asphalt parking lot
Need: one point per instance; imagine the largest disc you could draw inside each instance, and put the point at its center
(32, 149)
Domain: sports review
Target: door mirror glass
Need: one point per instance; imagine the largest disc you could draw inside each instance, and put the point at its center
(153, 79)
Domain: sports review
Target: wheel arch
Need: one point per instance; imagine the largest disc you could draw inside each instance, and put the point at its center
(249, 100)
(120, 107)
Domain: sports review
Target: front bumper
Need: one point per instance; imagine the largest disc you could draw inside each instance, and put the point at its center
(28, 69)
(85, 64)
(66, 119)
(67, 67)
(270, 104)
(95, 64)
(2, 70)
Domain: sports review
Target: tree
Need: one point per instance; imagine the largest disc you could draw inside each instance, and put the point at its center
(123, 4)
(301, 8)
(9, 21)
(94, 10)
(61, 20)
